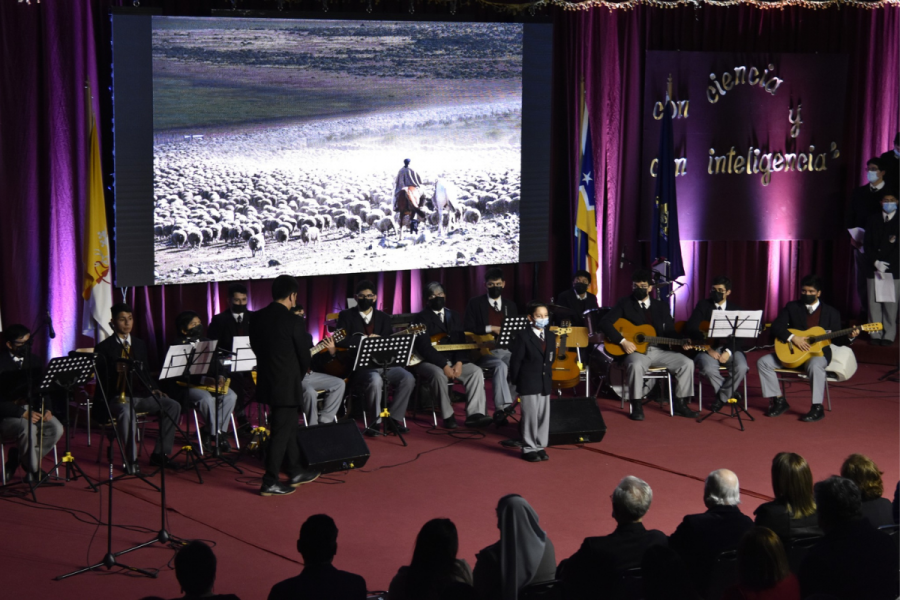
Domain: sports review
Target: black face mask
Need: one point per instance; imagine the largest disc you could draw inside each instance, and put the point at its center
(639, 294)
(808, 299)
(580, 288)
(494, 292)
(365, 304)
(195, 332)
(716, 296)
(19, 351)
(238, 308)
(437, 303)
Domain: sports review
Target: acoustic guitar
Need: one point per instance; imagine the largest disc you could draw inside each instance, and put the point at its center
(792, 357)
(342, 363)
(209, 386)
(483, 343)
(643, 336)
(565, 370)
(337, 336)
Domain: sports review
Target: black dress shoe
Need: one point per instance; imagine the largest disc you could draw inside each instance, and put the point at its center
(450, 423)
(717, 405)
(500, 419)
(680, 409)
(543, 455)
(777, 406)
(531, 456)
(305, 477)
(816, 413)
(637, 411)
(224, 446)
(400, 426)
(159, 460)
(275, 489)
(478, 420)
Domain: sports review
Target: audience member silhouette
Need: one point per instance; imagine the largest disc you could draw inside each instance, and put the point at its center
(853, 560)
(665, 576)
(763, 569)
(792, 514)
(319, 580)
(434, 564)
(523, 556)
(195, 569)
(863, 471)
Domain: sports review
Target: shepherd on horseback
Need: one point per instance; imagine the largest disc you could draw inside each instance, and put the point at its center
(408, 197)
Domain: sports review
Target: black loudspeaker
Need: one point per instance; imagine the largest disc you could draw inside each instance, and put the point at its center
(332, 447)
(575, 421)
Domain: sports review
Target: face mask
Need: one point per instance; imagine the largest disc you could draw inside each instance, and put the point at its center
(889, 207)
(495, 292)
(541, 322)
(640, 293)
(437, 303)
(872, 176)
(896, 152)
(716, 296)
(365, 304)
(194, 332)
(19, 351)
(808, 299)
(238, 308)
(581, 288)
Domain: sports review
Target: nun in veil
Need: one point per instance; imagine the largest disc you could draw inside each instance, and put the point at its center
(523, 556)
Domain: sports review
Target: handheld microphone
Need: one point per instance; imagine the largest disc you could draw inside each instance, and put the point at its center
(50, 325)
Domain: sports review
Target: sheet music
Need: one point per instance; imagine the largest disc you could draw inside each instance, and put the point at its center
(748, 323)
(884, 287)
(176, 361)
(244, 358)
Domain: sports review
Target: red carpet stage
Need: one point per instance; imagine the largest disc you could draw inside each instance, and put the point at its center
(380, 509)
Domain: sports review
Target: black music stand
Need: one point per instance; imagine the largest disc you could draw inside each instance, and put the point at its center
(736, 323)
(65, 373)
(381, 353)
(508, 330)
(244, 361)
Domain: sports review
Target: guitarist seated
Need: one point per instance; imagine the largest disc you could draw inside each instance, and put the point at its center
(801, 315)
(364, 321)
(317, 380)
(640, 309)
(437, 368)
(720, 352)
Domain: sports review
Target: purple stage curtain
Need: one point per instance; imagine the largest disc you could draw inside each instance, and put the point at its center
(607, 49)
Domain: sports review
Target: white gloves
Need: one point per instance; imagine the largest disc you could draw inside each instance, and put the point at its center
(882, 266)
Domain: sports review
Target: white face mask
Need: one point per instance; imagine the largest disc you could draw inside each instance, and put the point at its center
(872, 176)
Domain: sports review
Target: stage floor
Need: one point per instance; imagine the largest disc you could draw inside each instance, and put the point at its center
(379, 509)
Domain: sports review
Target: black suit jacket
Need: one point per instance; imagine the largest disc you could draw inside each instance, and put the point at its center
(109, 351)
(891, 165)
(882, 243)
(452, 325)
(15, 386)
(853, 561)
(775, 516)
(629, 308)
(478, 310)
(530, 367)
(864, 202)
(703, 312)
(570, 300)
(320, 582)
(224, 328)
(353, 323)
(594, 571)
(281, 344)
(794, 316)
(700, 538)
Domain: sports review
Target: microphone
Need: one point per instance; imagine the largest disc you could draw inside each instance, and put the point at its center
(50, 325)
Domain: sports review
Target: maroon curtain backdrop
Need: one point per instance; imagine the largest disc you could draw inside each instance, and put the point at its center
(607, 49)
(48, 51)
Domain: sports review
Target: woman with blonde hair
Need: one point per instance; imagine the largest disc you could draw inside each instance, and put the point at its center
(863, 471)
(793, 512)
(763, 571)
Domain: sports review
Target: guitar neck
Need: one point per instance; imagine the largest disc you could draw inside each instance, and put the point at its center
(830, 336)
(656, 341)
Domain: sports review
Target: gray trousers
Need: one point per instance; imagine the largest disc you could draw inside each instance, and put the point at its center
(768, 378)
(724, 386)
(883, 312)
(126, 423)
(368, 382)
(535, 424)
(436, 383)
(679, 365)
(16, 429)
(504, 392)
(334, 394)
(205, 403)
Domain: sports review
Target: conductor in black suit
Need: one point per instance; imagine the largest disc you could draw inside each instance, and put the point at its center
(577, 299)
(281, 344)
(719, 354)
(640, 309)
(121, 355)
(224, 327)
(882, 255)
(802, 314)
(484, 315)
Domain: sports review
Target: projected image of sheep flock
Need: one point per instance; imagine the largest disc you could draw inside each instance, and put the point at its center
(277, 143)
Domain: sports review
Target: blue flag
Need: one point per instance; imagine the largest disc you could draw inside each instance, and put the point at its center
(665, 243)
(587, 253)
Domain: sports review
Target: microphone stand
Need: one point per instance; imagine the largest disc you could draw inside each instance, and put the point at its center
(131, 469)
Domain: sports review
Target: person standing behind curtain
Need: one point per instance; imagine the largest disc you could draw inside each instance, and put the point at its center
(281, 344)
(865, 202)
(434, 565)
(882, 250)
(523, 556)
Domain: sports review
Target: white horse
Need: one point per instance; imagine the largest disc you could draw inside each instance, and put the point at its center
(445, 203)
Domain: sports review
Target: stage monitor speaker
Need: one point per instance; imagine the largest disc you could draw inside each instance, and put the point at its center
(332, 447)
(575, 421)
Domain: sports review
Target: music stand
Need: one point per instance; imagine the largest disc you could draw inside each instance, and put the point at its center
(733, 323)
(65, 373)
(244, 360)
(180, 359)
(381, 353)
(509, 328)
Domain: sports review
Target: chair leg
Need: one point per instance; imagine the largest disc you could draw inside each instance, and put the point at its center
(89, 422)
(745, 393)
(197, 426)
(237, 442)
(305, 422)
(56, 461)
(700, 393)
(828, 394)
(3, 462)
(671, 398)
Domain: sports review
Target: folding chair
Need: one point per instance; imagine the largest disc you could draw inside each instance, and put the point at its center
(800, 374)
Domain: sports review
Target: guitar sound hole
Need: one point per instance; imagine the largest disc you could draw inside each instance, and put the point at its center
(639, 338)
